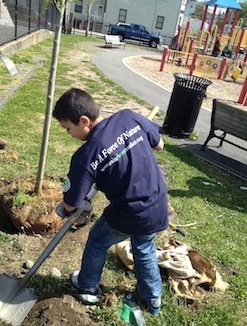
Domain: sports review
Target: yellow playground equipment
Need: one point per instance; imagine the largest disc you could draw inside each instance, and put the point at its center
(217, 52)
(203, 41)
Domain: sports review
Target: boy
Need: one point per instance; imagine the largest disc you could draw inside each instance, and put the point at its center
(117, 157)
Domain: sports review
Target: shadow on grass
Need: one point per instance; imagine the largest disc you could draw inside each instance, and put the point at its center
(47, 287)
(217, 186)
(212, 154)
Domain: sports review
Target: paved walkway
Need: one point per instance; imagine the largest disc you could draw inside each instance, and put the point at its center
(228, 157)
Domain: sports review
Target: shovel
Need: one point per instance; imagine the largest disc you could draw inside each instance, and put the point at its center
(15, 299)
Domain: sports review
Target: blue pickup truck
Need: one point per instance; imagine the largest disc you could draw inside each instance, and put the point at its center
(135, 32)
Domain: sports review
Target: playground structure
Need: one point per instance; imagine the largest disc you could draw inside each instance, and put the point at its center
(205, 65)
(203, 42)
(195, 53)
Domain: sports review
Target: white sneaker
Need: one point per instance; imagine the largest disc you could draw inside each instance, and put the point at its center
(87, 296)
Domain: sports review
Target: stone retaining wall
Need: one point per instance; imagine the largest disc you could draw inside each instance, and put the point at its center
(25, 41)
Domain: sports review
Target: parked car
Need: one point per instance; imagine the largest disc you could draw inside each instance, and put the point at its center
(135, 32)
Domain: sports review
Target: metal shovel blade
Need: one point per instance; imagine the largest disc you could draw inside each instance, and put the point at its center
(16, 300)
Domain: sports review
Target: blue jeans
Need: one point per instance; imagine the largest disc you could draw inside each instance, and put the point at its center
(101, 237)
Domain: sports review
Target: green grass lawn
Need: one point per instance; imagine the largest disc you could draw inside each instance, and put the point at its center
(198, 191)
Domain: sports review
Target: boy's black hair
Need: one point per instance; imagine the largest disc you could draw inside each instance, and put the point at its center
(73, 104)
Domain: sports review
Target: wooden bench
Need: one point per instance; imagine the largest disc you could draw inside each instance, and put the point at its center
(231, 120)
(113, 40)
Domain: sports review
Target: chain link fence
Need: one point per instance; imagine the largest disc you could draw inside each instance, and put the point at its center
(21, 17)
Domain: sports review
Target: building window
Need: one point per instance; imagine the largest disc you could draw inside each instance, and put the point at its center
(78, 8)
(122, 15)
(100, 10)
(160, 22)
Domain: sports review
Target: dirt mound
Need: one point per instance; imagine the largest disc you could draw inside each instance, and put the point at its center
(60, 311)
(30, 213)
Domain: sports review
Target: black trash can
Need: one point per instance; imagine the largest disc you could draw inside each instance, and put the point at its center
(185, 103)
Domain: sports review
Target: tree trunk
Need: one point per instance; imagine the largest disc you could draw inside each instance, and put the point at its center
(49, 101)
(89, 6)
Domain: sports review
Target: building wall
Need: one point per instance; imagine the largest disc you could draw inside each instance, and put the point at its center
(145, 12)
(78, 11)
(190, 8)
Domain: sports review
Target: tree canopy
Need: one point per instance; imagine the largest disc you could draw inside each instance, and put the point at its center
(243, 13)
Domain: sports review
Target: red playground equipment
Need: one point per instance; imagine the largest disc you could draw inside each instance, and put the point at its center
(205, 40)
(211, 53)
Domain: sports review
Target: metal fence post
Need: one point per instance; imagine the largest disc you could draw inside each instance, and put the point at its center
(165, 52)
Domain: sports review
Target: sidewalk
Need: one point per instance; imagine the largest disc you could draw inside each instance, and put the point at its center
(229, 158)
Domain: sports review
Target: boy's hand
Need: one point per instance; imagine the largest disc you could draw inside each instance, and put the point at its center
(62, 212)
(83, 212)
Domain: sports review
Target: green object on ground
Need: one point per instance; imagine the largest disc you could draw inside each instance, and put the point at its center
(125, 312)
(130, 313)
